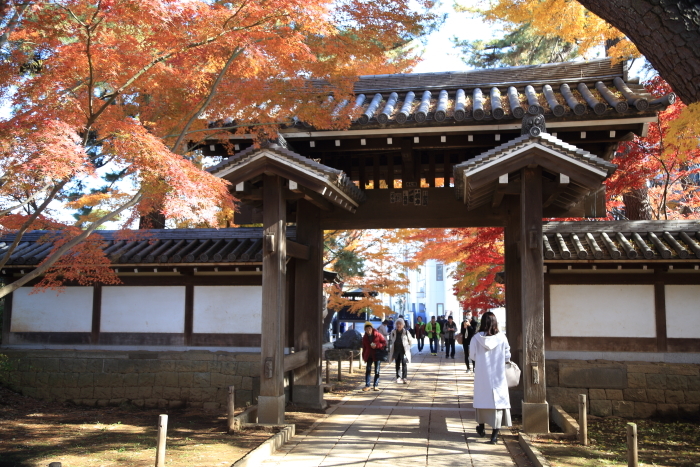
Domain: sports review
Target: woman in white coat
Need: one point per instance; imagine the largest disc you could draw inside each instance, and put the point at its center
(489, 348)
(400, 342)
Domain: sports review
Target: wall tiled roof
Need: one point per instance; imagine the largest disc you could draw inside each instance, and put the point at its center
(153, 247)
(622, 240)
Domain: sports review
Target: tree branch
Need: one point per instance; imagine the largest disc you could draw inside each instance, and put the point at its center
(65, 248)
(236, 52)
(12, 25)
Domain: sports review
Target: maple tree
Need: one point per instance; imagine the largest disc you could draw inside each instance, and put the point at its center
(665, 164)
(127, 90)
(366, 260)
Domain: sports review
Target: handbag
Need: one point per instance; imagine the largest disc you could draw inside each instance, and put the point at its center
(458, 336)
(512, 374)
(382, 355)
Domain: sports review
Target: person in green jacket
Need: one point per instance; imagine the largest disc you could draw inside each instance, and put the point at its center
(432, 329)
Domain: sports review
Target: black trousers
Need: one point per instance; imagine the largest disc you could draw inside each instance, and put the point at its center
(401, 365)
(449, 347)
(466, 355)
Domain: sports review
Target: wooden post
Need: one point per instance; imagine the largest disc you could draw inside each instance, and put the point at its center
(514, 315)
(359, 361)
(231, 409)
(328, 372)
(535, 408)
(352, 358)
(632, 458)
(582, 420)
(340, 367)
(160, 440)
(308, 308)
(271, 401)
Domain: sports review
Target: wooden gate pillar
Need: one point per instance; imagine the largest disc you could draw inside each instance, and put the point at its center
(271, 400)
(514, 315)
(308, 308)
(535, 407)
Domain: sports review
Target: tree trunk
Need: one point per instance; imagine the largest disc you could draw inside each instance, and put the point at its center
(667, 32)
(637, 206)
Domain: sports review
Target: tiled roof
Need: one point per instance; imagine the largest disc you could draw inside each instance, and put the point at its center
(504, 150)
(154, 247)
(621, 240)
(335, 177)
(558, 90)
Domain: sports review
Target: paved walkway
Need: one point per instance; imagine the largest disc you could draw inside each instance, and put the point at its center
(427, 422)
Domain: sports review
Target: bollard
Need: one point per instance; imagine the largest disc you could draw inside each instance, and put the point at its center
(582, 420)
(352, 357)
(160, 440)
(632, 459)
(328, 372)
(231, 409)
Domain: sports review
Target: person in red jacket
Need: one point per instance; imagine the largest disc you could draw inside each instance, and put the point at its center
(371, 342)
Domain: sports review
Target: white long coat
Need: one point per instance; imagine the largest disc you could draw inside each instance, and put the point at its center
(408, 341)
(490, 386)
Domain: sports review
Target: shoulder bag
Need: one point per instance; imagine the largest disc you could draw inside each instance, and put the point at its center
(382, 355)
(512, 374)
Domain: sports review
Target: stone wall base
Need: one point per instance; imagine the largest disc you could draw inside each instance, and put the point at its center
(142, 378)
(625, 389)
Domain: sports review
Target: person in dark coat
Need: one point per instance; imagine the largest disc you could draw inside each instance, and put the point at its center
(468, 329)
(420, 333)
(371, 342)
(450, 331)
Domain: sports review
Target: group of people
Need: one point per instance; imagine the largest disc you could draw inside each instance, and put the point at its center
(488, 347)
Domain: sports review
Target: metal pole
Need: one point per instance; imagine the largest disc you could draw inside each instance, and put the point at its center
(582, 420)
(160, 441)
(231, 409)
(632, 460)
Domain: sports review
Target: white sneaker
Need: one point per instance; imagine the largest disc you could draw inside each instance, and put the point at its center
(399, 380)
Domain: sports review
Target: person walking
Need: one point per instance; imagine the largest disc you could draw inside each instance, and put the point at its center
(450, 331)
(400, 342)
(383, 329)
(468, 330)
(432, 329)
(420, 333)
(490, 349)
(372, 341)
(441, 321)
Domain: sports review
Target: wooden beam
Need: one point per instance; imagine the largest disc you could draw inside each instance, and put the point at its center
(513, 271)
(408, 173)
(308, 307)
(376, 173)
(431, 170)
(297, 250)
(500, 190)
(295, 360)
(535, 409)
(562, 184)
(271, 401)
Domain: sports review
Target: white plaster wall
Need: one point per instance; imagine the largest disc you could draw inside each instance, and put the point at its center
(683, 311)
(602, 310)
(143, 309)
(68, 311)
(227, 309)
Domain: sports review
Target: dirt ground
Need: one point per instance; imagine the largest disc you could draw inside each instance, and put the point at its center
(34, 433)
(661, 443)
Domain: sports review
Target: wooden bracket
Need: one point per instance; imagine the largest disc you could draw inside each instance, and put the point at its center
(295, 360)
(500, 191)
(562, 185)
(297, 250)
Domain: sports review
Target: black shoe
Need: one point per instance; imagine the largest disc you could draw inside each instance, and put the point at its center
(480, 430)
(494, 437)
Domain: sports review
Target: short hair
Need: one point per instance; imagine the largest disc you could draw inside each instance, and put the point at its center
(400, 321)
(432, 317)
(450, 317)
(489, 324)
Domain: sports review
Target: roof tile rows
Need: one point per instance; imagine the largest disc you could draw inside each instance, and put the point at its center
(336, 177)
(641, 240)
(176, 246)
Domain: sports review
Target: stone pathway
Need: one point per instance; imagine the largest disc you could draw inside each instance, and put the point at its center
(427, 422)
